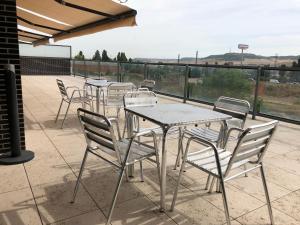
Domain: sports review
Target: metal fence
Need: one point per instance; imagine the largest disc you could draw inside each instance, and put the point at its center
(273, 92)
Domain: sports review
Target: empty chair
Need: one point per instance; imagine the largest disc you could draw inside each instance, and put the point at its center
(89, 92)
(77, 96)
(237, 108)
(137, 99)
(219, 162)
(120, 153)
(114, 96)
(149, 84)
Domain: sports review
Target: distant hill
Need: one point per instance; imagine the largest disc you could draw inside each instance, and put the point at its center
(235, 58)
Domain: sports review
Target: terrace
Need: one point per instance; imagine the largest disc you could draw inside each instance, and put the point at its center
(39, 192)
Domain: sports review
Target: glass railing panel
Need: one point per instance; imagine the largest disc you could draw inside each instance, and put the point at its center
(109, 71)
(131, 72)
(279, 94)
(78, 68)
(169, 78)
(92, 69)
(207, 84)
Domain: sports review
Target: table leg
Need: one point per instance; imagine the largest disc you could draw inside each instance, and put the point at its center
(97, 99)
(163, 173)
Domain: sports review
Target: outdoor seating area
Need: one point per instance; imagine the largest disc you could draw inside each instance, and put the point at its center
(207, 165)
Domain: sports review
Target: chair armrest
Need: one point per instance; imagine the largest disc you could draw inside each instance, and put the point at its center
(115, 121)
(191, 137)
(206, 143)
(72, 87)
(231, 130)
(79, 93)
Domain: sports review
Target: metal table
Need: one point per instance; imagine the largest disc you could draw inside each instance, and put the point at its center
(170, 115)
(99, 84)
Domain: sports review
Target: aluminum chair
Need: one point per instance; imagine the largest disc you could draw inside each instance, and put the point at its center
(77, 96)
(114, 96)
(249, 150)
(148, 84)
(89, 92)
(139, 98)
(121, 153)
(237, 108)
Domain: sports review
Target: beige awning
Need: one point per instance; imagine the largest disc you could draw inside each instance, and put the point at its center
(72, 18)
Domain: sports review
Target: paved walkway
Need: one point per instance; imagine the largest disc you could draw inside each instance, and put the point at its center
(39, 192)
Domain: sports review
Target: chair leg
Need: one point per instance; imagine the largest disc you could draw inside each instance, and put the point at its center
(62, 124)
(225, 201)
(115, 196)
(218, 188)
(177, 186)
(59, 110)
(79, 176)
(245, 168)
(212, 184)
(207, 182)
(141, 171)
(267, 194)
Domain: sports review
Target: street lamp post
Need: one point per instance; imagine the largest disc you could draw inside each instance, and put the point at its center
(243, 47)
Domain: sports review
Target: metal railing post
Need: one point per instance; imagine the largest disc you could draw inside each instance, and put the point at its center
(85, 70)
(145, 71)
(186, 83)
(119, 78)
(258, 75)
(99, 69)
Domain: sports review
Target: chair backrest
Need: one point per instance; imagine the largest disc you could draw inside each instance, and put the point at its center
(116, 91)
(99, 133)
(139, 98)
(237, 108)
(252, 144)
(62, 88)
(148, 84)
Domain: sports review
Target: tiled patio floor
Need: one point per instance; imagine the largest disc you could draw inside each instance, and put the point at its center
(40, 191)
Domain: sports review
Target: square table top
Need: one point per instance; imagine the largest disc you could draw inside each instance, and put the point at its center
(168, 115)
(99, 83)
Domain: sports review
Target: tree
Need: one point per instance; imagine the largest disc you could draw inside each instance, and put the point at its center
(123, 57)
(79, 56)
(97, 55)
(105, 57)
(119, 57)
(130, 60)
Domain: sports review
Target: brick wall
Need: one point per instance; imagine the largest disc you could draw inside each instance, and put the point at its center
(9, 54)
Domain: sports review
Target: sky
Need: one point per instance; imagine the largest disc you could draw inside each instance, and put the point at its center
(167, 28)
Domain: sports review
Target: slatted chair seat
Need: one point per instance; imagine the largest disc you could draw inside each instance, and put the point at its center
(138, 151)
(206, 160)
(80, 99)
